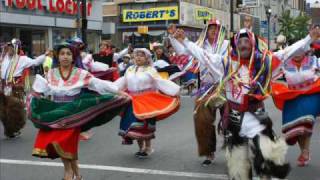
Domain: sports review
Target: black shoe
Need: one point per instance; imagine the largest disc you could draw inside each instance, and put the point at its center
(137, 154)
(143, 155)
(206, 162)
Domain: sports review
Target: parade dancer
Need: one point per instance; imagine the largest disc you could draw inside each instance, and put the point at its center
(109, 57)
(153, 99)
(14, 81)
(244, 79)
(63, 110)
(211, 40)
(299, 101)
(97, 69)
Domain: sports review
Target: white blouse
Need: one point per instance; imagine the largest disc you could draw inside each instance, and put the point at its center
(143, 78)
(54, 85)
(23, 63)
(303, 77)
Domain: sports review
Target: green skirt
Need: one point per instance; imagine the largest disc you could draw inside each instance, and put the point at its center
(87, 111)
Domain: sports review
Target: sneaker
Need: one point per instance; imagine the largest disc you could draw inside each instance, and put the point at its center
(206, 162)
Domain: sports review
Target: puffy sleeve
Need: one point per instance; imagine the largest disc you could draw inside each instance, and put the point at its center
(212, 61)
(165, 86)
(28, 62)
(290, 51)
(178, 47)
(121, 83)
(101, 86)
(41, 85)
(92, 65)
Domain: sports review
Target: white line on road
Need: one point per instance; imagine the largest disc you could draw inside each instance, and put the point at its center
(119, 169)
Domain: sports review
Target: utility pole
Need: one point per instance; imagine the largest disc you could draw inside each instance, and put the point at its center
(231, 17)
(268, 14)
(84, 21)
(78, 19)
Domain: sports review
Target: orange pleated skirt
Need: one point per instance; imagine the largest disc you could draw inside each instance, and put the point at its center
(153, 104)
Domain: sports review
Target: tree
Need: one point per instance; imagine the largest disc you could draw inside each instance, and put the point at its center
(293, 28)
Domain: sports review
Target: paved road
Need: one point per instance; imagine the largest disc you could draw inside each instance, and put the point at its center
(104, 158)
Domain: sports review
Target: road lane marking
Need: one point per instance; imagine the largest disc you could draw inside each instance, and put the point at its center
(119, 169)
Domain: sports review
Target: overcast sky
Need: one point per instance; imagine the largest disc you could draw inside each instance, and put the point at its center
(311, 0)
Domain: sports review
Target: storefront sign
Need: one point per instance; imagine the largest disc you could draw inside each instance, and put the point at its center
(250, 3)
(152, 14)
(194, 15)
(204, 14)
(143, 29)
(54, 6)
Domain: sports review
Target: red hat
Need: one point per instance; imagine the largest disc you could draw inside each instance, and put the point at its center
(214, 21)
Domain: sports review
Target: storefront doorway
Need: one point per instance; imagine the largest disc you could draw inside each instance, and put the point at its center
(33, 42)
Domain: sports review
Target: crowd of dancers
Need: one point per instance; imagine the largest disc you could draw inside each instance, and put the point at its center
(79, 91)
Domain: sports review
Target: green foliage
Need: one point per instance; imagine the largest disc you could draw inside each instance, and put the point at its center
(293, 28)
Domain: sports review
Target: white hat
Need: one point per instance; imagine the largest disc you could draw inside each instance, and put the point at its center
(146, 52)
(127, 56)
(281, 39)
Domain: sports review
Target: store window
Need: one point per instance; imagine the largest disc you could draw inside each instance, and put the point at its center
(38, 43)
(60, 36)
(92, 41)
(6, 34)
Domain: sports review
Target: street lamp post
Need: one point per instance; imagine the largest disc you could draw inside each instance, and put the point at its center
(84, 21)
(78, 19)
(231, 16)
(268, 13)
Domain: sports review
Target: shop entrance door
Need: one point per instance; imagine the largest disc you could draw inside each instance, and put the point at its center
(33, 42)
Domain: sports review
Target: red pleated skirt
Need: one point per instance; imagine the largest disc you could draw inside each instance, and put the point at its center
(57, 143)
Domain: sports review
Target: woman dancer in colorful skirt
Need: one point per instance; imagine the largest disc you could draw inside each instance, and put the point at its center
(153, 99)
(61, 110)
(299, 101)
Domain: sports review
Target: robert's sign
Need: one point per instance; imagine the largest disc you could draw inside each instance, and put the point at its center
(152, 14)
(55, 6)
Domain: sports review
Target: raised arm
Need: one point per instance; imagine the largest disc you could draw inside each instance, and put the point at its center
(290, 51)
(212, 61)
(27, 62)
(302, 45)
(178, 46)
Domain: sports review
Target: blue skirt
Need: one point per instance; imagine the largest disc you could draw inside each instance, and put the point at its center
(299, 115)
(132, 128)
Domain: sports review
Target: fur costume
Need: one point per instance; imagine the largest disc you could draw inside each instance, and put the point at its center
(204, 118)
(12, 114)
(265, 151)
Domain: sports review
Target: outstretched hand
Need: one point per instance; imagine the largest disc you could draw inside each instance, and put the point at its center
(172, 29)
(47, 52)
(122, 93)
